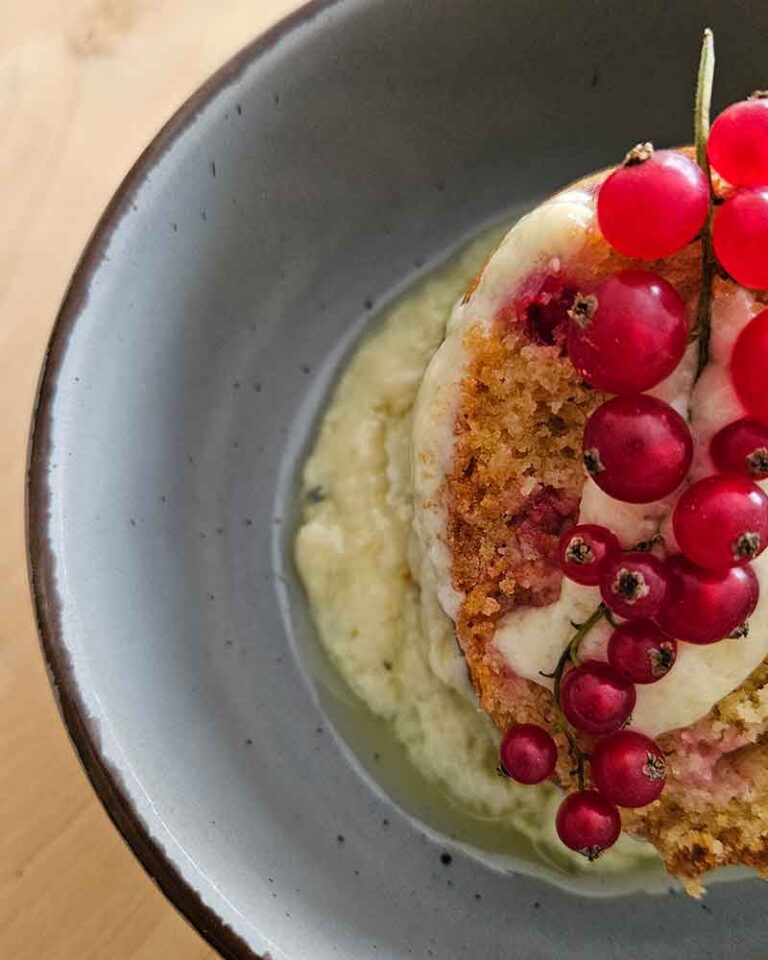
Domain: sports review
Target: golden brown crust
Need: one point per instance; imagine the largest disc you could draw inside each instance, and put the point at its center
(517, 473)
(516, 483)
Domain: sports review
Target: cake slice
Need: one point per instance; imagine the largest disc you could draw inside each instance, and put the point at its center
(499, 474)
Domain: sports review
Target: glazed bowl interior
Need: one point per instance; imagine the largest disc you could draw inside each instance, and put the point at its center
(335, 162)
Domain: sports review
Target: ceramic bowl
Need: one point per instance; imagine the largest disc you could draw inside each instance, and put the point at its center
(328, 166)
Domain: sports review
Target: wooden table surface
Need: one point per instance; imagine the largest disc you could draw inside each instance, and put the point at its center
(84, 85)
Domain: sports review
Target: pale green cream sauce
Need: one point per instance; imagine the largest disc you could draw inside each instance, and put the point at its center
(375, 611)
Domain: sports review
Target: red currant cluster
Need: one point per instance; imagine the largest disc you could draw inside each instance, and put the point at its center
(625, 335)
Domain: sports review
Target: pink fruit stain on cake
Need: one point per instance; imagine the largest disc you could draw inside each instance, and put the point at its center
(541, 305)
(703, 758)
(541, 518)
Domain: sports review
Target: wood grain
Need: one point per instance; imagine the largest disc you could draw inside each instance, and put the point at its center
(84, 85)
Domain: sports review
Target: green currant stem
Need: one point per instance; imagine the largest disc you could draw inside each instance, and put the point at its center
(571, 655)
(580, 758)
(701, 128)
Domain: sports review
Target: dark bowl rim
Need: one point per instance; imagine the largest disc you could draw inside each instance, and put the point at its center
(40, 559)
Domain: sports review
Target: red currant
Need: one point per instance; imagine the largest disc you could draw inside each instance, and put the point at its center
(637, 449)
(628, 333)
(740, 237)
(742, 448)
(528, 754)
(584, 550)
(629, 769)
(651, 208)
(639, 651)
(722, 521)
(704, 606)
(634, 585)
(738, 143)
(588, 823)
(749, 367)
(595, 698)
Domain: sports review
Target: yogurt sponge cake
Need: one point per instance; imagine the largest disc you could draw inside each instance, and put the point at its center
(499, 479)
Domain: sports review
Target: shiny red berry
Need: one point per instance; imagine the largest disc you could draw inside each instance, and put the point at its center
(595, 698)
(629, 769)
(652, 208)
(584, 551)
(741, 448)
(740, 237)
(722, 521)
(528, 754)
(738, 143)
(749, 367)
(641, 652)
(634, 585)
(704, 606)
(588, 823)
(628, 333)
(637, 449)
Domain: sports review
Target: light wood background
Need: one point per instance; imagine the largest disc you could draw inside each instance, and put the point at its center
(84, 85)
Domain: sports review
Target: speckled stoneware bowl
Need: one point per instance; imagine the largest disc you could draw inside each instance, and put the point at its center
(330, 164)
